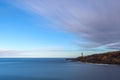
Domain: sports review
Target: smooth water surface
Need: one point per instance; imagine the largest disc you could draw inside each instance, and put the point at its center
(55, 69)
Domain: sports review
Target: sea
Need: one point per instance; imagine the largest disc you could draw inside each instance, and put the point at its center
(55, 69)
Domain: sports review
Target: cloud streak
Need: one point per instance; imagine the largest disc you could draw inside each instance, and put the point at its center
(98, 21)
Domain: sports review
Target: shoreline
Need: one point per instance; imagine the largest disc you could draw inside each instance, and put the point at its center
(94, 63)
(111, 58)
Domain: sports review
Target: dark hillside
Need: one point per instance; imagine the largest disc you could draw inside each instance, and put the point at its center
(104, 58)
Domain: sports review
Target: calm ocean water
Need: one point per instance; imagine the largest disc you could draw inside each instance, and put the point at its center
(55, 69)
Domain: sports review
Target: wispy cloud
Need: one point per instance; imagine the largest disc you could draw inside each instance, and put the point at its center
(8, 51)
(4, 53)
(98, 21)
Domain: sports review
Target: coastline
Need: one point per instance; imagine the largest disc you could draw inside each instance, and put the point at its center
(112, 58)
(94, 63)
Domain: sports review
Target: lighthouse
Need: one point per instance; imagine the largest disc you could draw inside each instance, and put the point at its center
(81, 54)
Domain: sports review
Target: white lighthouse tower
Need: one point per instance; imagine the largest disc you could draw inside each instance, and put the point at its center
(82, 54)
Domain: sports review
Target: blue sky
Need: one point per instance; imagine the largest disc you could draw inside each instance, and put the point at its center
(20, 30)
(42, 28)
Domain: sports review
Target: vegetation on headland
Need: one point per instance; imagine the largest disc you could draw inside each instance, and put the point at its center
(103, 58)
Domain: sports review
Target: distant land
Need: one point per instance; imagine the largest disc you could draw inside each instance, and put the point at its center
(103, 58)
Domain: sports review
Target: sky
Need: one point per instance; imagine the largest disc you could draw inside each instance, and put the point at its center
(58, 28)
